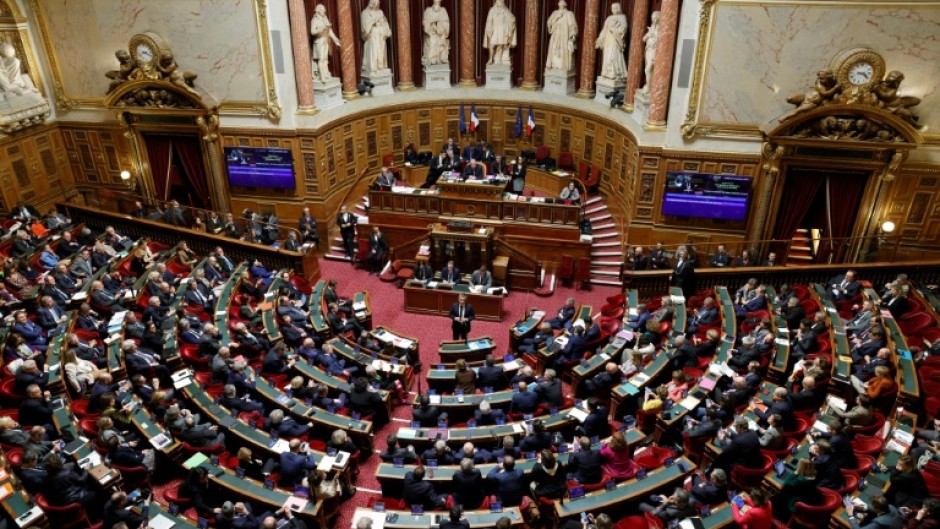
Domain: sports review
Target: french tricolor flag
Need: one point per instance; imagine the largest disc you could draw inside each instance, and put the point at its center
(530, 124)
(474, 120)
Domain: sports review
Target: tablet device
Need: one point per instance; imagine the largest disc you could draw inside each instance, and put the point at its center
(398, 462)
(780, 468)
(240, 472)
(496, 506)
(432, 463)
(738, 500)
(610, 485)
(641, 474)
(269, 484)
(668, 461)
(417, 509)
(575, 493)
(378, 507)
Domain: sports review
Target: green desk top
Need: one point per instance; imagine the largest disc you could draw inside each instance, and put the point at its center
(321, 377)
(224, 301)
(680, 319)
(448, 375)
(499, 399)
(406, 520)
(596, 362)
(729, 319)
(275, 498)
(629, 490)
(525, 327)
(482, 433)
(317, 319)
(157, 509)
(651, 371)
(720, 517)
(54, 356)
(310, 413)
(269, 314)
(906, 367)
(476, 344)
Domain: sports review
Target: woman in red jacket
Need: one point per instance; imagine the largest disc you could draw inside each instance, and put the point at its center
(756, 512)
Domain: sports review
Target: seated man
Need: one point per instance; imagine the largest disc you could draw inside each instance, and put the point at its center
(596, 423)
(541, 339)
(426, 415)
(420, 492)
(524, 401)
(509, 482)
(386, 178)
(564, 315)
(473, 170)
(707, 314)
(285, 427)
(394, 451)
(487, 416)
(587, 464)
(482, 278)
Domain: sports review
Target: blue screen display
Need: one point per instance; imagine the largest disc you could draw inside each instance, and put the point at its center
(253, 167)
(710, 196)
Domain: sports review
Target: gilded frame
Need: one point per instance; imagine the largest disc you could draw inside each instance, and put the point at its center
(691, 126)
(269, 107)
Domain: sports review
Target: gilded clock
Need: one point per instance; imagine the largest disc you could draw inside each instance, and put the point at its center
(145, 48)
(858, 68)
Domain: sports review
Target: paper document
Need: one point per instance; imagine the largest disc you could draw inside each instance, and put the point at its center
(160, 522)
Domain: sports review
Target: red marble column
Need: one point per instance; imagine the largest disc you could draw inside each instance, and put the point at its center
(403, 24)
(348, 41)
(300, 42)
(467, 44)
(662, 70)
(637, 47)
(588, 52)
(530, 54)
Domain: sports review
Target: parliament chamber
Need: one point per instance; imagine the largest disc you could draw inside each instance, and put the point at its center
(533, 264)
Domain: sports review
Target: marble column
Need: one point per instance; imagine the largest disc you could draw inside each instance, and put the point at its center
(637, 49)
(665, 55)
(348, 41)
(530, 55)
(403, 25)
(467, 44)
(300, 42)
(588, 52)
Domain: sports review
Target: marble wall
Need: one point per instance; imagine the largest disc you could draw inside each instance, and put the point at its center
(761, 53)
(215, 38)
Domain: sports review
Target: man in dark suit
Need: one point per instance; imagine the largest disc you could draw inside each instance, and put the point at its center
(793, 312)
(710, 491)
(828, 474)
(32, 333)
(499, 167)
(482, 278)
(469, 152)
(461, 314)
(573, 349)
(308, 228)
(844, 287)
(524, 401)
(780, 405)
(426, 415)
(707, 314)
(339, 325)
(36, 409)
(683, 275)
(347, 228)
(422, 271)
(201, 435)
(721, 259)
(51, 289)
(803, 342)
(550, 390)
(542, 338)
(508, 482)
(742, 447)
(420, 492)
(49, 315)
(809, 397)
(286, 427)
(492, 375)
(450, 274)
(377, 250)
(596, 423)
(564, 315)
(294, 465)
(439, 165)
(233, 402)
(758, 302)
(473, 170)
(116, 511)
(275, 361)
(394, 451)
(640, 260)
(29, 374)
(487, 416)
(21, 245)
(585, 466)
(745, 353)
(771, 260)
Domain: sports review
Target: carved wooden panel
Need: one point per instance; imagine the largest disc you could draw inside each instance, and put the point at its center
(424, 136)
(918, 208)
(588, 148)
(565, 143)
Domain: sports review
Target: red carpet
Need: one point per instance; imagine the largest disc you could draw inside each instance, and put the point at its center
(388, 310)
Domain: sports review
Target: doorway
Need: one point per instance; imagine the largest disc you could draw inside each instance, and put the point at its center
(819, 206)
(177, 169)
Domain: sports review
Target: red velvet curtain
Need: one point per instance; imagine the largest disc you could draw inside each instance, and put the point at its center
(158, 154)
(798, 194)
(189, 153)
(845, 194)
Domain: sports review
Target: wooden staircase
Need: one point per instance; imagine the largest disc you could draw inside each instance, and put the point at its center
(801, 249)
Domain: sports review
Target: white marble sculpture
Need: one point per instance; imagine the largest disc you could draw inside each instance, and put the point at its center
(651, 38)
(375, 31)
(322, 30)
(436, 25)
(21, 103)
(611, 41)
(563, 28)
(500, 35)
(13, 81)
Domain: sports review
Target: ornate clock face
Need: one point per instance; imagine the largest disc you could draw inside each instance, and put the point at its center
(861, 73)
(144, 52)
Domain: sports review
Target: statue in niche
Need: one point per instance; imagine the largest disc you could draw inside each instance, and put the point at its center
(611, 41)
(436, 23)
(500, 35)
(14, 82)
(322, 30)
(563, 28)
(375, 31)
(651, 39)
(826, 88)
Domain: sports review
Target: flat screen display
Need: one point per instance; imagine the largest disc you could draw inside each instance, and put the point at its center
(705, 195)
(256, 167)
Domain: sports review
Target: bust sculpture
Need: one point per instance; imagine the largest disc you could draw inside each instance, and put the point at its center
(436, 25)
(651, 38)
(611, 42)
(500, 35)
(563, 29)
(375, 31)
(322, 31)
(13, 81)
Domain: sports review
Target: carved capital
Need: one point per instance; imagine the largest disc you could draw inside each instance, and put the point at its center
(209, 125)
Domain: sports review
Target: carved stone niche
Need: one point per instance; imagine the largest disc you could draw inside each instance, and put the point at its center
(22, 103)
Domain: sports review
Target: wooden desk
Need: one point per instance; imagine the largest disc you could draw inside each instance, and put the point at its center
(436, 301)
(413, 175)
(473, 189)
(470, 350)
(406, 520)
(445, 379)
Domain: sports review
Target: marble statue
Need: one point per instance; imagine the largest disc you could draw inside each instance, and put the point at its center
(651, 38)
(322, 30)
(375, 31)
(500, 36)
(14, 82)
(611, 41)
(563, 29)
(436, 25)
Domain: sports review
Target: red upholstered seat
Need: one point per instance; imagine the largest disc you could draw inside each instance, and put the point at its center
(71, 515)
(868, 445)
(817, 515)
(748, 478)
